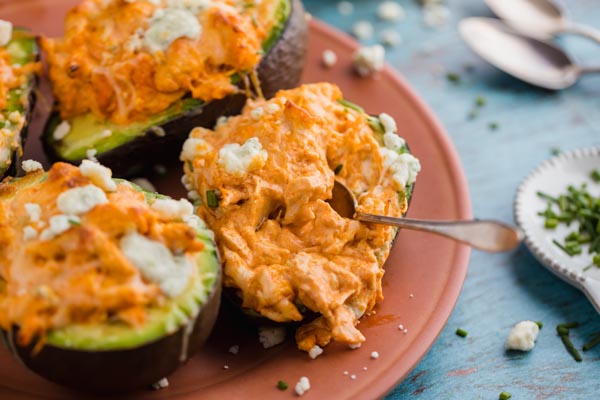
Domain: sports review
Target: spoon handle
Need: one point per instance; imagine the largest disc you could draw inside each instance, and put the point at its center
(583, 30)
(487, 235)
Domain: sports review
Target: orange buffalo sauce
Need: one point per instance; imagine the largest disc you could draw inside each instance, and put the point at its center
(102, 65)
(79, 275)
(264, 179)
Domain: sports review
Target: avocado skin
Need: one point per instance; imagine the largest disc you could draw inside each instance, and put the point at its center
(119, 371)
(15, 163)
(280, 68)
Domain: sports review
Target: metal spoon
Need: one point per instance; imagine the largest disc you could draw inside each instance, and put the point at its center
(534, 61)
(484, 235)
(541, 19)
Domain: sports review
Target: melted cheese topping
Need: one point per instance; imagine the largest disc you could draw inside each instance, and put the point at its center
(282, 244)
(77, 272)
(127, 61)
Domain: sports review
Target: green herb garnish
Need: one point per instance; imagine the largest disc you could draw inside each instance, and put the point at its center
(282, 385)
(493, 126)
(351, 105)
(555, 151)
(595, 175)
(212, 199)
(461, 332)
(578, 206)
(74, 222)
(480, 101)
(338, 169)
(539, 324)
(504, 396)
(563, 332)
(453, 77)
(592, 343)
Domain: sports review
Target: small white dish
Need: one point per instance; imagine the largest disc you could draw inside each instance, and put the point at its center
(552, 177)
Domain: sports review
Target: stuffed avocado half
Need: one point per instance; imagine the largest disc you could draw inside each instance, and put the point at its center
(262, 181)
(105, 287)
(18, 65)
(143, 100)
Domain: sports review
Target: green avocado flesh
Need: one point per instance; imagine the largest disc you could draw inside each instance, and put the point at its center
(22, 49)
(161, 320)
(87, 131)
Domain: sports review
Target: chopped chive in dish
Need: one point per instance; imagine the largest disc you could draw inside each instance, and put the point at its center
(578, 207)
(504, 396)
(592, 343)
(539, 324)
(453, 77)
(282, 385)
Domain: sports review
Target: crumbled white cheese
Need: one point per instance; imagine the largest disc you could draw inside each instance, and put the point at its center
(369, 59)
(257, 113)
(14, 116)
(315, 352)
(302, 386)
(404, 167)
(29, 233)
(158, 131)
(197, 224)
(271, 336)
(31, 165)
(390, 38)
(272, 108)
(362, 30)
(58, 224)
(168, 25)
(522, 336)
(221, 121)
(194, 195)
(329, 58)
(163, 383)
(5, 32)
(392, 141)
(144, 184)
(170, 209)
(34, 211)
(435, 15)
(194, 147)
(238, 160)
(234, 349)
(98, 174)
(194, 6)
(90, 154)
(81, 199)
(345, 7)
(5, 153)
(61, 130)
(388, 122)
(374, 355)
(353, 376)
(156, 263)
(390, 11)
(355, 346)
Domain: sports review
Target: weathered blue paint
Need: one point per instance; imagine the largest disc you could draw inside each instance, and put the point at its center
(500, 289)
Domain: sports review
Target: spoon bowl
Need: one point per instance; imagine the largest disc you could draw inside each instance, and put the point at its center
(541, 19)
(487, 235)
(531, 60)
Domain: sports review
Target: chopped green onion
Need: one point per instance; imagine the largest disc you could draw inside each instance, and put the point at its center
(74, 222)
(540, 324)
(375, 124)
(453, 77)
(570, 325)
(555, 151)
(351, 105)
(212, 199)
(282, 385)
(338, 169)
(480, 101)
(493, 126)
(461, 332)
(595, 175)
(571, 348)
(551, 223)
(504, 396)
(592, 343)
(561, 330)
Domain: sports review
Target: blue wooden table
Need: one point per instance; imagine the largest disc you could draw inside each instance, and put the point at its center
(500, 290)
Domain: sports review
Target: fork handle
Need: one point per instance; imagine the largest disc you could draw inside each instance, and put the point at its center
(487, 235)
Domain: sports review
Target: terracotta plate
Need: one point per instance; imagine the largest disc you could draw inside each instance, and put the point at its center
(423, 276)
